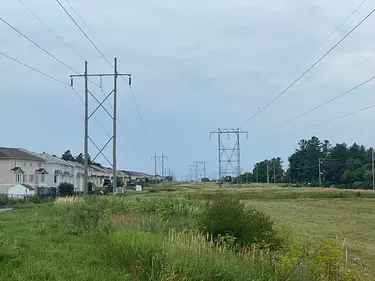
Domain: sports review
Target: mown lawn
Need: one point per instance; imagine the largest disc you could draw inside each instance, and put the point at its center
(33, 246)
(316, 220)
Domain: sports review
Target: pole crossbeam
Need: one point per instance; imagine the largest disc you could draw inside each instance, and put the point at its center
(229, 164)
(112, 138)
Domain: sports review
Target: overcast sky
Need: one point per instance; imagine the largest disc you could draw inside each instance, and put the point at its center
(196, 66)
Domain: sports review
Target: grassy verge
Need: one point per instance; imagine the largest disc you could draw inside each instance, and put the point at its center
(34, 246)
(154, 237)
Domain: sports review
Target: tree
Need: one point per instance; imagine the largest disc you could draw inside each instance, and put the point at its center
(67, 156)
(274, 165)
(80, 158)
(66, 189)
(349, 177)
(205, 180)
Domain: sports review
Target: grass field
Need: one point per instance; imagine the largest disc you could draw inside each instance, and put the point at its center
(311, 215)
(316, 220)
(34, 247)
(35, 244)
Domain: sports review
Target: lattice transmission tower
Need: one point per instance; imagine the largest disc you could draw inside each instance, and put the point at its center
(229, 162)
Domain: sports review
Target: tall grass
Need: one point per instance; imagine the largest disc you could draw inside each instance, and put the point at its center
(180, 256)
(145, 237)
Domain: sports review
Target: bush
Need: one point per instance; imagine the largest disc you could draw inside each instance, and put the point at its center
(228, 217)
(66, 189)
(327, 263)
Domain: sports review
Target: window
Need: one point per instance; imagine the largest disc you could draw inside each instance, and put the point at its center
(31, 164)
(31, 178)
(25, 163)
(24, 178)
(55, 179)
(18, 177)
(15, 163)
(42, 177)
(40, 164)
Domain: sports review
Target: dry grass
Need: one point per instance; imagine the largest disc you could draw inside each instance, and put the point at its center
(316, 220)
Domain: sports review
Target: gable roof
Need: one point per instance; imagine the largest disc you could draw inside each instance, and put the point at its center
(29, 187)
(15, 153)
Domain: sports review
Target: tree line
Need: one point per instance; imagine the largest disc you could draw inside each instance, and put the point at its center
(68, 156)
(318, 163)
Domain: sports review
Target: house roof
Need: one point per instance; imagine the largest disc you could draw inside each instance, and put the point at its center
(29, 187)
(15, 153)
(17, 170)
(137, 174)
(42, 170)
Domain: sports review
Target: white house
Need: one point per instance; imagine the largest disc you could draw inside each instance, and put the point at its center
(99, 176)
(78, 175)
(58, 170)
(20, 167)
(20, 190)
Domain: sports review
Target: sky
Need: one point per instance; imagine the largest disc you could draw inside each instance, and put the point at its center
(196, 66)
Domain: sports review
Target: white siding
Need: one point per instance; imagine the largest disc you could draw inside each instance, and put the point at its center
(20, 191)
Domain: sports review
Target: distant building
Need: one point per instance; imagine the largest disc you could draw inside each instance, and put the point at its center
(20, 167)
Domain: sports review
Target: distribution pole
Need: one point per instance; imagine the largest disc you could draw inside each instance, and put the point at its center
(114, 184)
(320, 175)
(373, 170)
(113, 116)
(156, 172)
(86, 142)
(274, 171)
(162, 165)
(268, 174)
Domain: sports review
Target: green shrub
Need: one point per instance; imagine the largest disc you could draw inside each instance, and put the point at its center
(228, 216)
(66, 189)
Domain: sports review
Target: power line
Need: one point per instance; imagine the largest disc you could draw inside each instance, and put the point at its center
(34, 69)
(88, 38)
(84, 33)
(84, 23)
(93, 44)
(329, 36)
(122, 126)
(66, 84)
(325, 103)
(309, 69)
(141, 118)
(341, 117)
(54, 33)
(35, 44)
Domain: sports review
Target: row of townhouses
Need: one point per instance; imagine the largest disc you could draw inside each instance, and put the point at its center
(23, 169)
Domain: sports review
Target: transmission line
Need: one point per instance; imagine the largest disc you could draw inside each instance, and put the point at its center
(341, 117)
(34, 69)
(92, 43)
(84, 33)
(37, 45)
(84, 23)
(310, 68)
(41, 48)
(329, 36)
(325, 103)
(50, 29)
(141, 118)
(66, 84)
